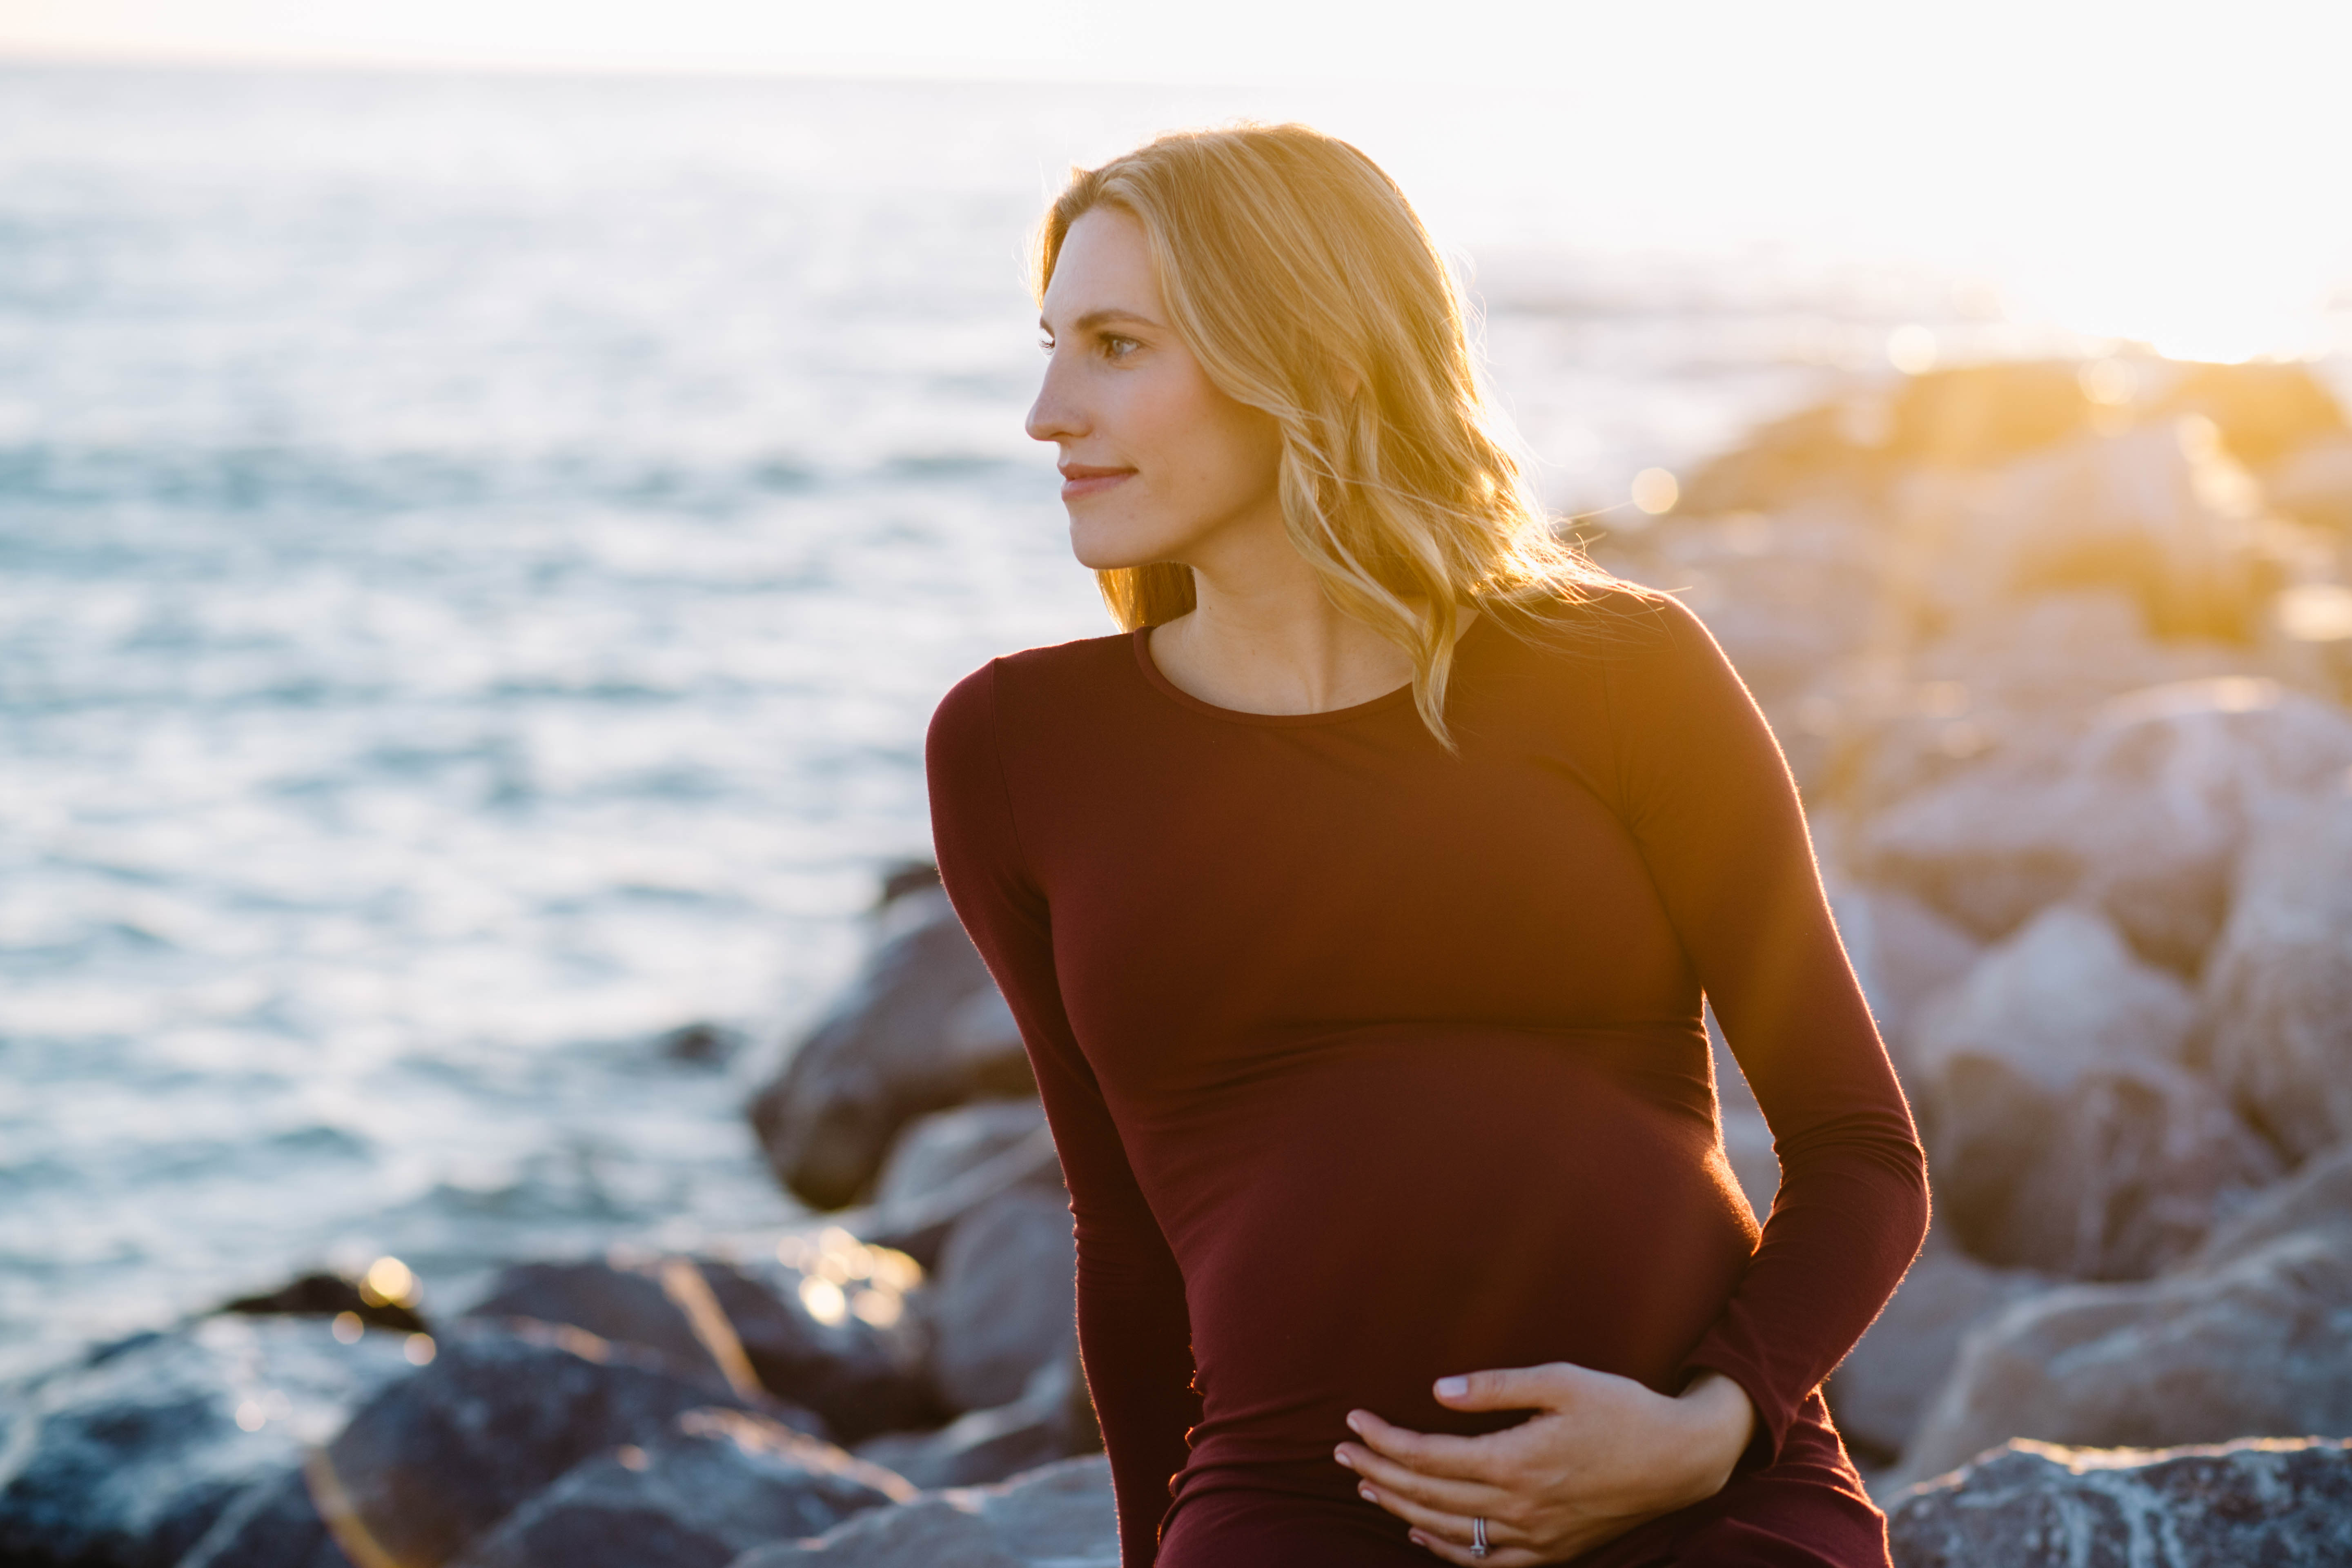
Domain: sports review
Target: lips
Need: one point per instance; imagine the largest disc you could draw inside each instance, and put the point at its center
(1079, 480)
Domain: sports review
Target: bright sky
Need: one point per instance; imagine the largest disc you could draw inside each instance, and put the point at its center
(2148, 170)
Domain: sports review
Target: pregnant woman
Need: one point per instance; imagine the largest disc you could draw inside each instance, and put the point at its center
(1356, 903)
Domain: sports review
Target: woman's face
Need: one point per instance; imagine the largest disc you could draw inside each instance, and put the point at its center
(1157, 464)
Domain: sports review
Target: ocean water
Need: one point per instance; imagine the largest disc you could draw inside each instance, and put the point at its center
(477, 556)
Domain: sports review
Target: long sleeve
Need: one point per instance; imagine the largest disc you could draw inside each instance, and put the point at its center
(1713, 807)
(1134, 1334)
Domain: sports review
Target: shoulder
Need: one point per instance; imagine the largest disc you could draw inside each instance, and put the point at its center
(1018, 686)
(1622, 626)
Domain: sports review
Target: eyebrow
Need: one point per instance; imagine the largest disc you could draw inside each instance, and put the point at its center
(1094, 319)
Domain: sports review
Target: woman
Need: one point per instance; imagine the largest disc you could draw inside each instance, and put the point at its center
(1356, 905)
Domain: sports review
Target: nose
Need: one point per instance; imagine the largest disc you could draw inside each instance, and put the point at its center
(1057, 415)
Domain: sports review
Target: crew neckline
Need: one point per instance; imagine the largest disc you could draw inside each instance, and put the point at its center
(1141, 639)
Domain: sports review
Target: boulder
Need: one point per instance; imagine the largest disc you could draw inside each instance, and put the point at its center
(1060, 1515)
(125, 1457)
(2252, 1338)
(1904, 952)
(921, 1028)
(1053, 1419)
(2284, 1503)
(716, 1485)
(2278, 993)
(1004, 1300)
(433, 1461)
(331, 1296)
(2313, 483)
(716, 1321)
(2145, 815)
(948, 1163)
(2062, 1132)
(1879, 1392)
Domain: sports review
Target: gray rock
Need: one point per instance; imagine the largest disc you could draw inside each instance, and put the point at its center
(2315, 1200)
(2278, 994)
(916, 1032)
(2143, 815)
(2282, 1502)
(716, 1321)
(1058, 1517)
(2062, 1132)
(934, 1149)
(1004, 1300)
(1053, 1419)
(1904, 952)
(128, 1455)
(719, 1484)
(2255, 1341)
(1882, 1388)
(433, 1461)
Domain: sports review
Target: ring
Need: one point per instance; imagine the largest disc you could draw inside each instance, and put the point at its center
(1478, 1536)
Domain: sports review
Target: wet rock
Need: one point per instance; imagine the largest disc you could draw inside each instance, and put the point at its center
(1003, 1303)
(2281, 1501)
(716, 1322)
(716, 1485)
(2247, 1341)
(2145, 815)
(128, 1455)
(920, 1030)
(330, 1296)
(432, 1462)
(2278, 994)
(1060, 1515)
(1053, 1419)
(700, 1044)
(1881, 1389)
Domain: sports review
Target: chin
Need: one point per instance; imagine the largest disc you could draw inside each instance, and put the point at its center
(1101, 548)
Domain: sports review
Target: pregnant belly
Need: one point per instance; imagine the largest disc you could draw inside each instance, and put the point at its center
(1389, 1207)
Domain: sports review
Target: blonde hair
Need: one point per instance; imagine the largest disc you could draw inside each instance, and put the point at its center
(1304, 283)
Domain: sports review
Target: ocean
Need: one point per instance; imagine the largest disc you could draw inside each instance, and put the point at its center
(477, 557)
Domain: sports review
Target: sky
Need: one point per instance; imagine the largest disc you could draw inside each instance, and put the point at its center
(2165, 173)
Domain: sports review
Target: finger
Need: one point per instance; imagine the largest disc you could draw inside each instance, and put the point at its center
(1547, 1388)
(1496, 1556)
(1465, 1497)
(1430, 1453)
(1442, 1525)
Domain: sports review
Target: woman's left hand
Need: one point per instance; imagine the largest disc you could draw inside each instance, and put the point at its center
(1601, 1455)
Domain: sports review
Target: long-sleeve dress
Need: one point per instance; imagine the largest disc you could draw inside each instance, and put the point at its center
(1371, 1063)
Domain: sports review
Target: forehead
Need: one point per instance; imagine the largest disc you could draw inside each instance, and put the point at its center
(1104, 265)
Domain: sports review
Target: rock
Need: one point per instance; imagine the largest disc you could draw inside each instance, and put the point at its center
(331, 1296)
(1051, 1419)
(1746, 1136)
(2285, 1502)
(2062, 1133)
(1880, 1390)
(2260, 412)
(917, 1032)
(2316, 1200)
(1060, 1515)
(719, 1484)
(860, 1363)
(2313, 483)
(700, 1044)
(2252, 1341)
(432, 1462)
(712, 1320)
(124, 1459)
(1004, 1300)
(2278, 993)
(1904, 952)
(2145, 815)
(935, 1150)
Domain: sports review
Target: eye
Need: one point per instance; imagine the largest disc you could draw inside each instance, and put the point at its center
(1116, 347)
(1045, 345)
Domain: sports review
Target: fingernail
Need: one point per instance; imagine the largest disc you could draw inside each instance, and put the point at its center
(1355, 1421)
(1453, 1387)
(1367, 1494)
(1342, 1455)
(1418, 1539)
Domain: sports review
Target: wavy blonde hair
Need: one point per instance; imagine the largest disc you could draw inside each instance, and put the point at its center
(1304, 283)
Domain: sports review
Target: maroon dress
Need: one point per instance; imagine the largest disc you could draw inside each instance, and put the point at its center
(1371, 1063)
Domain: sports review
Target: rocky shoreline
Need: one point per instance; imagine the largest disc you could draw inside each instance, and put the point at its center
(2061, 655)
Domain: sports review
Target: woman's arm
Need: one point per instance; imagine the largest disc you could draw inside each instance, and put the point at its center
(1710, 800)
(1134, 1333)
